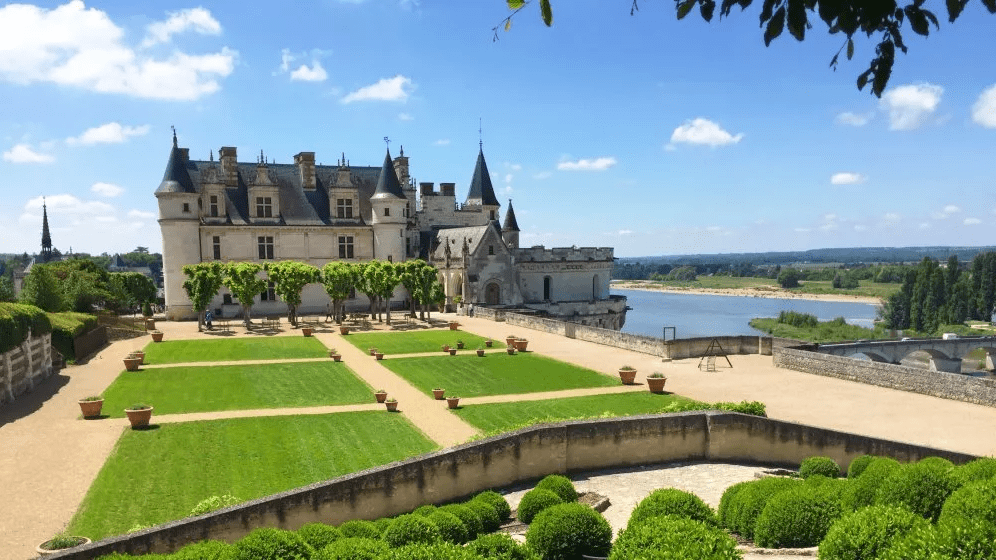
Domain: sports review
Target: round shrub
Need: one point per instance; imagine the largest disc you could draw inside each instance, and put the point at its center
(204, 550)
(501, 546)
(864, 534)
(799, 517)
(862, 490)
(819, 465)
(749, 502)
(353, 548)
(425, 510)
(671, 501)
(972, 502)
(955, 541)
(980, 469)
(382, 524)
(859, 465)
(937, 463)
(490, 521)
(729, 495)
(920, 487)
(423, 551)
(566, 531)
(410, 529)
(319, 535)
(361, 529)
(674, 538)
(266, 543)
(535, 501)
(471, 520)
(451, 529)
(498, 501)
(559, 485)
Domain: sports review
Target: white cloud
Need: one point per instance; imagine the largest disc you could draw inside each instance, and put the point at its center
(854, 119)
(405, 117)
(596, 164)
(507, 191)
(925, 225)
(69, 205)
(397, 88)
(801, 230)
(891, 218)
(313, 74)
(513, 166)
(141, 215)
(107, 189)
(542, 175)
(860, 228)
(984, 110)
(23, 153)
(703, 132)
(847, 179)
(110, 133)
(910, 106)
(442, 142)
(508, 177)
(198, 20)
(946, 212)
(972, 221)
(625, 232)
(72, 45)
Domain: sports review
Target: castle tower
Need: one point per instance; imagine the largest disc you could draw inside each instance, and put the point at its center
(388, 211)
(46, 252)
(180, 224)
(482, 193)
(510, 229)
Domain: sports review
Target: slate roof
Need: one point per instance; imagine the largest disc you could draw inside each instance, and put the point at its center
(481, 191)
(176, 179)
(455, 237)
(387, 184)
(510, 223)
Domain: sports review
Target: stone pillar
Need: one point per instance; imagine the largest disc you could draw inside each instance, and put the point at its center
(945, 364)
(8, 369)
(764, 345)
(989, 359)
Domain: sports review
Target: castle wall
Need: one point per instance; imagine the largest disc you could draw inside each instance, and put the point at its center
(313, 245)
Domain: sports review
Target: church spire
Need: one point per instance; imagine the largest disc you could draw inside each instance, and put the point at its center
(46, 235)
(481, 190)
(510, 223)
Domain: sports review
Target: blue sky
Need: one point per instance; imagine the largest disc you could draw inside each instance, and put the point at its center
(640, 132)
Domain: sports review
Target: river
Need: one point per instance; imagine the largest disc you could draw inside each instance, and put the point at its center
(696, 315)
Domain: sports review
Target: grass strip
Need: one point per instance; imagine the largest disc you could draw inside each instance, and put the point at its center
(233, 349)
(421, 341)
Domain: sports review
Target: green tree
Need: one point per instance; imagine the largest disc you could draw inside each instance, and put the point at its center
(203, 282)
(984, 285)
(289, 279)
(243, 280)
(41, 289)
(382, 278)
(789, 278)
(339, 279)
(363, 284)
(132, 288)
(419, 278)
(6, 289)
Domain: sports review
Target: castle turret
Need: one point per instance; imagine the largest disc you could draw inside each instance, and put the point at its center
(482, 193)
(179, 221)
(510, 229)
(388, 212)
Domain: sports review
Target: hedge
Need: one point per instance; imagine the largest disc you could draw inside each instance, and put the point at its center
(674, 538)
(16, 319)
(962, 540)
(66, 327)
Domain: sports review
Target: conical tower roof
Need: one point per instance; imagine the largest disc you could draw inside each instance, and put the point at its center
(176, 179)
(388, 185)
(46, 235)
(510, 223)
(481, 190)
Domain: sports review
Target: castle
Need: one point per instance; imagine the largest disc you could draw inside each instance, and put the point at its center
(262, 211)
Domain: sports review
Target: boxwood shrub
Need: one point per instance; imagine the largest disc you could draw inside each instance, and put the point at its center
(972, 502)
(674, 538)
(961, 540)
(498, 501)
(360, 528)
(671, 501)
(319, 535)
(559, 485)
(204, 550)
(425, 510)
(66, 327)
(470, 519)
(423, 551)
(723, 513)
(353, 548)
(859, 465)
(819, 465)
(568, 531)
(382, 524)
(920, 487)
(535, 501)
(937, 463)
(490, 521)
(979, 469)
(267, 543)
(862, 490)
(16, 319)
(501, 546)
(749, 501)
(451, 529)
(864, 534)
(799, 517)
(411, 529)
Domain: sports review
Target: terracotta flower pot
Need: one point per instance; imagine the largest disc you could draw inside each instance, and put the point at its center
(510, 350)
(446, 348)
(381, 396)
(344, 330)
(438, 394)
(43, 549)
(656, 384)
(488, 343)
(306, 331)
(379, 355)
(139, 418)
(392, 406)
(131, 364)
(480, 353)
(453, 402)
(91, 409)
(140, 355)
(157, 336)
(520, 344)
(454, 325)
(628, 376)
(453, 351)
(337, 357)
(150, 324)
(373, 351)
(460, 345)
(509, 341)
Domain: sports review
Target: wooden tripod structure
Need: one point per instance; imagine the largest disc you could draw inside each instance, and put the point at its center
(714, 350)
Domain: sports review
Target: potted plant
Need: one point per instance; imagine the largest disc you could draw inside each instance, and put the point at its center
(460, 344)
(480, 351)
(627, 374)
(453, 402)
(139, 415)
(157, 336)
(60, 542)
(510, 340)
(454, 325)
(655, 382)
(373, 351)
(343, 330)
(381, 395)
(446, 348)
(520, 344)
(306, 331)
(90, 406)
(140, 355)
(379, 355)
(453, 351)
(510, 349)
(438, 393)
(489, 342)
(392, 405)
(132, 362)
(335, 355)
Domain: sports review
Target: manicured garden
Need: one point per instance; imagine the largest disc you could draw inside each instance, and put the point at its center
(417, 341)
(234, 349)
(236, 387)
(495, 374)
(158, 475)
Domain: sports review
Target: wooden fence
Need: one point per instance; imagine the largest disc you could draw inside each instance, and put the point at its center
(25, 366)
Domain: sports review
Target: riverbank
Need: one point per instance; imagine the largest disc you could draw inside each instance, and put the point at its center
(770, 292)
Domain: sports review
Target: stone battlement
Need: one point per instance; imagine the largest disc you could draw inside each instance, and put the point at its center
(539, 253)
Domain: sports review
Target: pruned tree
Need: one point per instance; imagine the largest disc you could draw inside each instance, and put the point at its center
(203, 282)
(363, 285)
(419, 277)
(243, 280)
(382, 278)
(289, 279)
(339, 279)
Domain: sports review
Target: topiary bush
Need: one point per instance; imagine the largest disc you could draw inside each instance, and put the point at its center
(864, 534)
(16, 319)
(535, 501)
(382, 524)
(799, 517)
(425, 510)
(937, 463)
(920, 487)
(862, 490)
(319, 535)
(559, 485)
(723, 512)
(859, 465)
(748, 503)
(498, 501)
(490, 521)
(410, 529)
(501, 546)
(567, 531)
(423, 551)
(470, 519)
(671, 501)
(353, 548)
(451, 529)
(674, 538)
(961, 540)
(819, 465)
(980, 469)
(972, 502)
(204, 550)
(360, 528)
(267, 543)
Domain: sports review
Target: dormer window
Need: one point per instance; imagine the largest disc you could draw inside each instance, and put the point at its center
(344, 207)
(264, 207)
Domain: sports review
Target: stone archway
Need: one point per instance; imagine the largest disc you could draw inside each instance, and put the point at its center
(492, 294)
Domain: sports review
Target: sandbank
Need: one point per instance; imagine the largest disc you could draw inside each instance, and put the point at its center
(770, 292)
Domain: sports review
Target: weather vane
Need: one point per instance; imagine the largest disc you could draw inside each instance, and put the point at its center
(388, 142)
(480, 135)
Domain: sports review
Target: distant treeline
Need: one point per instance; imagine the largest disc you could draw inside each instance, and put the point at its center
(847, 275)
(934, 295)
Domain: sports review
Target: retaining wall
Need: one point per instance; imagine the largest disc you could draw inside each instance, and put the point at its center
(88, 343)
(527, 454)
(953, 386)
(25, 366)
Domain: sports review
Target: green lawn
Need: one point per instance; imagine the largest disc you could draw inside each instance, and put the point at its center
(495, 374)
(236, 387)
(231, 349)
(420, 341)
(158, 475)
(502, 417)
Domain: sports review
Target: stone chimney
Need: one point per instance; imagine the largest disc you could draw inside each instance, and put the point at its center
(447, 189)
(305, 162)
(229, 166)
(426, 189)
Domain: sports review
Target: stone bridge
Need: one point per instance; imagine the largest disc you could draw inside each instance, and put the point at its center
(945, 355)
